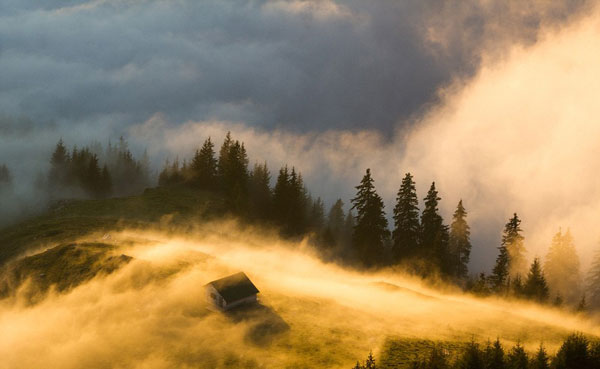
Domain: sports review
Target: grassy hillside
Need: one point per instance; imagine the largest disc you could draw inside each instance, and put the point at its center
(69, 220)
(148, 306)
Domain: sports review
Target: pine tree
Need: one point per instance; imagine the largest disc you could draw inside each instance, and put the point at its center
(281, 196)
(562, 267)
(204, 167)
(573, 354)
(499, 277)
(517, 358)
(593, 281)
(459, 242)
(517, 286)
(513, 241)
(317, 215)
(370, 231)
(535, 287)
(406, 220)
(510, 255)
(59, 168)
(434, 234)
(494, 356)
(370, 363)
(540, 360)
(472, 358)
(335, 219)
(261, 196)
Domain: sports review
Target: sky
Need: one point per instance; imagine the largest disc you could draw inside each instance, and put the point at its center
(490, 99)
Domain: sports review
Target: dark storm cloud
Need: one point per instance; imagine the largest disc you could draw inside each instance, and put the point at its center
(302, 65)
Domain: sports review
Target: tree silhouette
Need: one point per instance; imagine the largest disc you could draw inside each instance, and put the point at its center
(535, 287)
(261, 196)
(562, 267)
(593, 281)
(434, 234)
(405, 235)
(370, 231)
(204, 167)
(513, 241)
(459, 241)
(540, 360)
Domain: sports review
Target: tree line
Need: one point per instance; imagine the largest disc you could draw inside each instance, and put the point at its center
(419, 241)
(576, 352)
(96, 172)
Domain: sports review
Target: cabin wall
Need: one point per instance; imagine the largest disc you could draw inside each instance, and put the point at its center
(214, 299)
(247, 300)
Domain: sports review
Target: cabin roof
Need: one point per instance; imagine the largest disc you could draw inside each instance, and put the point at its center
(234, 287)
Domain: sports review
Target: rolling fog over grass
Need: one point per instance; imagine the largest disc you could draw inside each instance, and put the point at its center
(151, 312)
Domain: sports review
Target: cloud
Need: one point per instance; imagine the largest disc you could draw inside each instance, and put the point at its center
(299, 64)
(151, 313)
(521, 136)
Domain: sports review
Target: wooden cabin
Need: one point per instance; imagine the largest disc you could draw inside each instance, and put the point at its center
(229, 292)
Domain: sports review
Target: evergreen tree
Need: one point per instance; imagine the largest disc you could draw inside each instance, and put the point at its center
(233, 174)
(562, 267)
(434, 234)
(535, 287)
(317, 215)
(540, 360)
(517, 358)
(480, 286)
(59, 168)
(406, 220)
(460, 243)
(494, 356)
(370, 363)
(499, 277)
(204, 167)
(335, 219)
(593, 281)
(472, 358)
(573, 354)
(290, 202)
(261, 196)
(513, 241)
(370, 231)
(281, 196)
(517, 286)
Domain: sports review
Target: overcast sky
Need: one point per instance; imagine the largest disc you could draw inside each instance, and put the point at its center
(300, 65)
(330, 86)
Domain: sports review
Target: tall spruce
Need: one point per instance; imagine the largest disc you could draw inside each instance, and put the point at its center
(535, 286)
(459, 242)
(261, 196)
(540, 360)
(512, 239)
(493, 356)
(499, 277)
(434, 234)
(405, 235)
(370, 230)
(335, 219)
(517, 358)
(204, 167)
(562, 267)
(593, 281)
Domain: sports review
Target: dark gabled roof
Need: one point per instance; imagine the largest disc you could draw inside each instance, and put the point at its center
(235, 287)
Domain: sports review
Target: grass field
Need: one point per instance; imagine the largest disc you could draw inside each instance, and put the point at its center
(118, 283)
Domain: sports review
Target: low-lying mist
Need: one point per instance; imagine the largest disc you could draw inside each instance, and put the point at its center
(151, 312)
